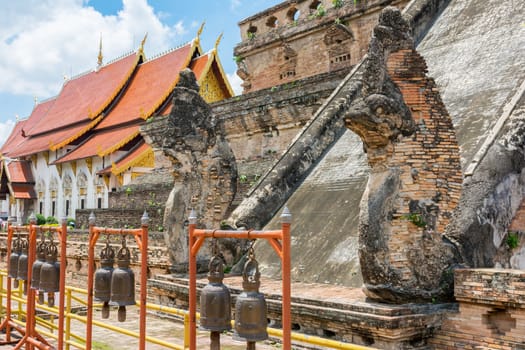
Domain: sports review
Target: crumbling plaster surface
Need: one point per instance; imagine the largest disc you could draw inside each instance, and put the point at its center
(203, 166)
(476, 52)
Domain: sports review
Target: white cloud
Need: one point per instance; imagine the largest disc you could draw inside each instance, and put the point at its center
(5, 130)
(234, 4)
(179, 29)
(43, 40)
(235, 83)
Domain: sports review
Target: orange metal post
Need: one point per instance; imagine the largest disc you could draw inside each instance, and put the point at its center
(282, 248)
(143, 280)
(286, 219)
(141, 237)
(6, 324)
(193, 282)
(91, 260)
(62, 287)
(30, 306)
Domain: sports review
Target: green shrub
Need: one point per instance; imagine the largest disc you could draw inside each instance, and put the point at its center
(70, 222)
(51, 220)
(40, 219)
(512, 240)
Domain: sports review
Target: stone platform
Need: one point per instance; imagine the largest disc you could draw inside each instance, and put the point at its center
(335, 312)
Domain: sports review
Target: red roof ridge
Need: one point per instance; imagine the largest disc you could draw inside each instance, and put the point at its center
(168, 51)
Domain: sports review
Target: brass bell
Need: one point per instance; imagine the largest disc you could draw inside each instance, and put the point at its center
(23, 264)
(103, 278)
(13, 260)
(50, 274)
(123, 282)
(215, 299)
(37, 266)
(250, 309)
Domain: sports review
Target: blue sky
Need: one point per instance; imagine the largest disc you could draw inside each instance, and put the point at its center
(42, 42)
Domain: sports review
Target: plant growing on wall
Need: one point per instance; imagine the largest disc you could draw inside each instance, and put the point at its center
(512, 240)
(416, 219)
(338, 3)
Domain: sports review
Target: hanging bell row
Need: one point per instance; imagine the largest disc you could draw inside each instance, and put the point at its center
(215, 297)
(250, 308)
(103, 277)
(251, 311)
(37, 266)
(49, 276)
(16, 251)
(115, 286)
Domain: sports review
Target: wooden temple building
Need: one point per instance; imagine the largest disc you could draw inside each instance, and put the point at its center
(80, 145)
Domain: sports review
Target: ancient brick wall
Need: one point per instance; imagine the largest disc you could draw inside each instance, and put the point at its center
(121, 217)
(491, 311)
(260, 125)
(429, 160)
(77, 256)
(297, 39)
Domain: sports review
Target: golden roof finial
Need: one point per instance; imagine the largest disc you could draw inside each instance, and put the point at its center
(218, 41)
(199, 32)
(141, 48)
(100, 56)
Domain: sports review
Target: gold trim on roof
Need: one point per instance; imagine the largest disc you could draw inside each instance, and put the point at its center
(74, 167)
(215, 57)
(218, 41)
(160, 102)
(118, 89)
(54, 147)
(122, 142)
(119, 170)
(89, 164)
(141, 47)
(100, 57)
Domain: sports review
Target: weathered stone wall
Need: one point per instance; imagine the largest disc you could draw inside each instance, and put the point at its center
(415, 178)
(491, 311)
(264, 122)
(203, 165)
(127, 204)
(121, 217)
(77, 256)
(298, 39)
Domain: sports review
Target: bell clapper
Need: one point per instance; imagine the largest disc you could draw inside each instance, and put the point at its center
(123, 282)
(51, 299)
(103, 277)
(105, 310)
(121, 313)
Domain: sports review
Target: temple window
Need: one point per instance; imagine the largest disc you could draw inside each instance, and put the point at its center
(251, 33)
(314, 5)
(293, 14)
(272, 22)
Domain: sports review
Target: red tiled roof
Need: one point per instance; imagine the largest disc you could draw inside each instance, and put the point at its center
(102, 143)
(151, 85)
(16, 137)
(84, 97)
(22, 191)
(128, 159)
(35, 144)
(19, 171)
(199, 64)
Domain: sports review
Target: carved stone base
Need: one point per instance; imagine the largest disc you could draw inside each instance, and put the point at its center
(330, 311)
